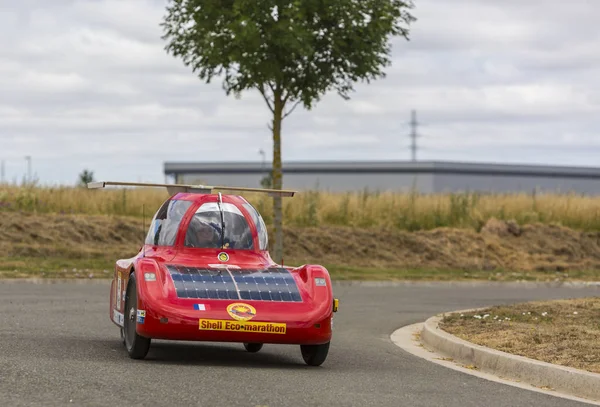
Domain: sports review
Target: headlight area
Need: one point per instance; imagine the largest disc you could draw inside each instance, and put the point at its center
(152, 282)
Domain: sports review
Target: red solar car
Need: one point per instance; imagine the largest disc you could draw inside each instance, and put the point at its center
(204, 274)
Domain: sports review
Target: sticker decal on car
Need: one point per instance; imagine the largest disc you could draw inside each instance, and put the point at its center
(241, 311)
(241, 326)
(141, 316)
(118, 291)
(118, 318)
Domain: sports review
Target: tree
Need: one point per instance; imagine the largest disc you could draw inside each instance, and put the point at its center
(267, 181)
(85, 177)
(291, 51)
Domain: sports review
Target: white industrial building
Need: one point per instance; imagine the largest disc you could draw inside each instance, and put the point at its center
(425, 176)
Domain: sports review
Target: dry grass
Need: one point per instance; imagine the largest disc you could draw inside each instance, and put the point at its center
(73, 200)
(563, 332)
(408, 211)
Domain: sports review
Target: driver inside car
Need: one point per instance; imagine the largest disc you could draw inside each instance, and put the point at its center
(204, 235)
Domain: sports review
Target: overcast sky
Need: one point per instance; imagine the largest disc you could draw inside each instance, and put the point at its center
(88, 84)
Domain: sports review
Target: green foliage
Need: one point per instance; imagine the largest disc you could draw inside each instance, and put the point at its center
(303, 48)
(461, 208)
(84, 177)
(291, 51)
(264, 206)
(311, 214)
(341, 215)
(267, 181)
(26, 200)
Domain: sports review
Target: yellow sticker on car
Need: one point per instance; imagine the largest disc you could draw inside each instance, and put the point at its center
(241, 311)
(241, 326)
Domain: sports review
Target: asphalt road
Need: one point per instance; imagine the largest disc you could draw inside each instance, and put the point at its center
(58, 347)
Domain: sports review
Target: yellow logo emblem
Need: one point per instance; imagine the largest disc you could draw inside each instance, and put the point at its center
(223, 256)
(241, 311)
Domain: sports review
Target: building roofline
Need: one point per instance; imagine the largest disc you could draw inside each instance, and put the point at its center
(379, 167)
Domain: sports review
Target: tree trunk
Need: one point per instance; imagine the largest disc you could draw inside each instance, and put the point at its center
(277, 254)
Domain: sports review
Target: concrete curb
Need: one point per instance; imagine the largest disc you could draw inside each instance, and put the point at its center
(541, 374)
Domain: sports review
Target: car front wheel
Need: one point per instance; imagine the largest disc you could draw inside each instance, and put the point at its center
(253, 347)
(137, 346)
(314, 355)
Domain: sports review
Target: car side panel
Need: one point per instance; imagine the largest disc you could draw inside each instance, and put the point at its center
(117, 290)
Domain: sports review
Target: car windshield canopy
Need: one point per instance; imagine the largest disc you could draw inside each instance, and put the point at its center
(205, 228)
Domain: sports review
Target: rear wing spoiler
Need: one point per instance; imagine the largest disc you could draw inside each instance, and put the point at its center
(196, 189)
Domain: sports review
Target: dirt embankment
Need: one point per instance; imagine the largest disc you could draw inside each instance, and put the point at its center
(500, 245)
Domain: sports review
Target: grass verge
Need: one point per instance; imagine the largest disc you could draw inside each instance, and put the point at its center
(563, 332)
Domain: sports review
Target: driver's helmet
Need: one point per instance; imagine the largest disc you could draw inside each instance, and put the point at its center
(204, 234)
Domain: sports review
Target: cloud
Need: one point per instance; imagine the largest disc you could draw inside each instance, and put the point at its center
(88, 84)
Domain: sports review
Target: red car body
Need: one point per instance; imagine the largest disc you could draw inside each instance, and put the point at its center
(219, 294)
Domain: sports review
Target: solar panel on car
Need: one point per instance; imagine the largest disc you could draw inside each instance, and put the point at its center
(271, 284)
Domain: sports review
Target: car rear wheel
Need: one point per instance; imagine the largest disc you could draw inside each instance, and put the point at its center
(253, 347)
(314, 355)
(137, 346)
